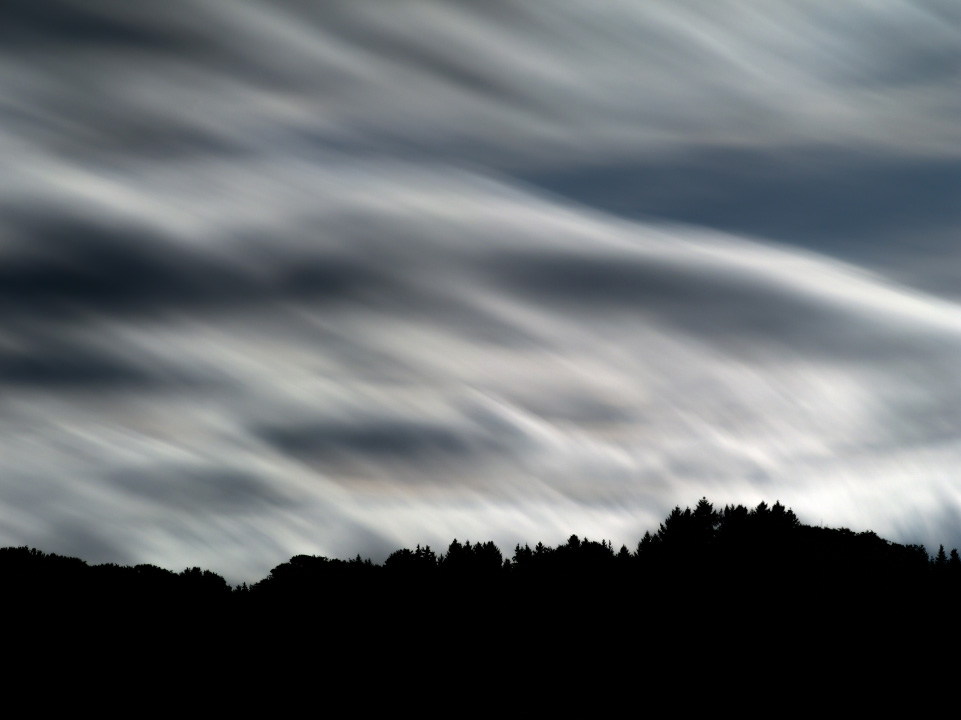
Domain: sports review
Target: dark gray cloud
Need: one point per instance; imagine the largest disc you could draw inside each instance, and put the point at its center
(65, 24)
(410, 449)
(281, 277)
(79, 266)
(60, 366)
(376, 440)
(202, 492)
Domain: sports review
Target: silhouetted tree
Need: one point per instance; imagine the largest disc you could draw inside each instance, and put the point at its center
(645, 543)
(941, 559)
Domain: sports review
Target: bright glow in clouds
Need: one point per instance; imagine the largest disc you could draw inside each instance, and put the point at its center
(283, 278)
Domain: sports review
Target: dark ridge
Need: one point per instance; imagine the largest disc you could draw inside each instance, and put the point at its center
(735, 577)
(732, 547)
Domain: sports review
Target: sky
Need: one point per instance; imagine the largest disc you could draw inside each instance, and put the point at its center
(337, 278)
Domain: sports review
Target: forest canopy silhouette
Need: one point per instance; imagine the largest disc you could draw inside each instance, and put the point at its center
(730, 553)
(755, 583)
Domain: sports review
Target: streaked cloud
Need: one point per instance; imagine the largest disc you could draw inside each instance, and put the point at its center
(281, 278)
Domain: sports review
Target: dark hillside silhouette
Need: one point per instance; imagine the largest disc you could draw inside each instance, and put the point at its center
(703, 570)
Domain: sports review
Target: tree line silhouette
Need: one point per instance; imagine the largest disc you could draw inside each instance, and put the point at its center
(699, 555)
(709, 585)
(731, 597)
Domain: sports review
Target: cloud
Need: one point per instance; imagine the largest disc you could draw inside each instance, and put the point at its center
(503, 83)
(280, 277)
(81, 25)
(81, 268)
(61, 366)
(201, 491)
(379, 440)
(643, 364)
